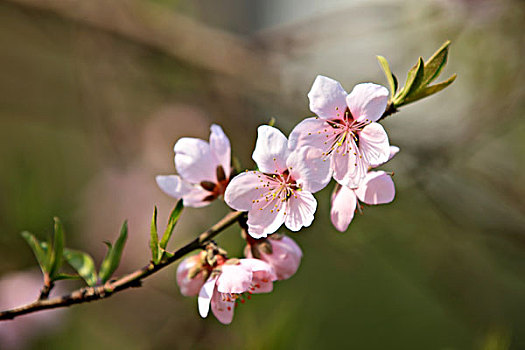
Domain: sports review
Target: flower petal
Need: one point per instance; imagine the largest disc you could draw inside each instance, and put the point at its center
(300, 211)
(266, 217)
(393, 151)
(344, 202)
(327, 98)
(377, 188)
(271, 150)
(222, 308)
(189, 286)
(309, 169)
(197, 197)
(367, 101)
(373, 144)
(220, 147)
(194, 160)
(234, 279)
(263, 275)
(257, 265)
(349, 169)
(173, 185)
(312, 132)
(205, 295)
(244, 189)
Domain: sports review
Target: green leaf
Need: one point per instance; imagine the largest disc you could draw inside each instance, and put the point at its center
(112, 259)
(435, 64)
(174, 217)
(38, 250)
(58, 249)
(66, 276)
(83, 265)
(392, 81)
(429, 90)
(154, 238)
(414, 80)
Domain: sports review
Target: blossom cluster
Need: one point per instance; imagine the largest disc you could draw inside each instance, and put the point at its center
(343, 141)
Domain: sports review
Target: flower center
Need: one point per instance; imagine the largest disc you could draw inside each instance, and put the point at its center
(279, 188)
(342, 135)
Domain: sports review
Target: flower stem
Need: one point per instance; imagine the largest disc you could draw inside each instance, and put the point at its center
(133, 279)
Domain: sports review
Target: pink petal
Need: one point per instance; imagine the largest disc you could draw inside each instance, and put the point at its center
(309, 169)
(266, 217)
(194, 160)
(312, 132)
(263, 275)
(373, 144)
(285, 257)
(367, 101)
(222, 308)
(173, 185)
(349, 169)
(205, 295)
(327, 98)
(189, 286)
(257, 265)
(234, 279)
(271, 150)
(393, 151)
(220, 147)
(344, 202)
(244, 189)
(300, 211)
(196, 197)
(377, 188)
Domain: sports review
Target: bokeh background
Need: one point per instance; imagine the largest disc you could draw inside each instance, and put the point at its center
(93, 95)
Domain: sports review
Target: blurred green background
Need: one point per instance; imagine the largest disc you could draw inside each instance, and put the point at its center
(94, 94)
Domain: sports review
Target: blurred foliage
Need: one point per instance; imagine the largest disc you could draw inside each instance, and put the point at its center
(443, 267)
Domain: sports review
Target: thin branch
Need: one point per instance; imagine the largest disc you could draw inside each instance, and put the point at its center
(133, 279)
(46, 289)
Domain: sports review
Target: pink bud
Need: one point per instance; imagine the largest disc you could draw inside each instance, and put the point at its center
(284, 255)
(190, 276)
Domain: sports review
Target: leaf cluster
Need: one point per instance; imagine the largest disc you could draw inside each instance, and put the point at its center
(419, 78)
(51, 255)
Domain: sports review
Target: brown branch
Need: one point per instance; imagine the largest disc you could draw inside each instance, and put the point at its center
(46, 289)
(133, 279)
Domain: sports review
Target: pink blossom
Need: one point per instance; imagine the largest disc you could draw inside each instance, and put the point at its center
(281, 190)
(204, 169)
(280, 251)
(345, 129)
(229, 283)
(191, 275)
(376, 188)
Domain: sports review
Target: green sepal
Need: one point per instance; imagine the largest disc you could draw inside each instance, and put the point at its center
(174, 217)
(392, 81)
(154, 238)
(38, 249)
(429, 90)
(58, 249)
(83, 264)
(112, 259)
